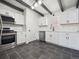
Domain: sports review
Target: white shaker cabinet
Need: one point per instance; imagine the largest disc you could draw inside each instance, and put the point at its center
(73, 16)
(55, 37)
(20, 37)
(63, 39)
(19, 19)
(69, 16)
(52, 37)
(74, 41)
(2, 11)
(49, 37)
(11, 14)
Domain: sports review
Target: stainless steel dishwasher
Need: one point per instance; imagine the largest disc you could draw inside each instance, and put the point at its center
(42, 36)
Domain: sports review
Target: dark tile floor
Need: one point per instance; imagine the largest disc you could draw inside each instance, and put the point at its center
(36, 50)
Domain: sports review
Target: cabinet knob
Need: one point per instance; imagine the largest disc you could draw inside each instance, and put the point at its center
(67, 21)
(50, 35)
(67, 37)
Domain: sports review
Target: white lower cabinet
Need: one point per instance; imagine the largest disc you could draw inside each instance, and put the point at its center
(52, 37)
(74, 41)
(30, 36)
(55, 37)
(69, 40)
(20, 37)
(63, 39)
(49, 37)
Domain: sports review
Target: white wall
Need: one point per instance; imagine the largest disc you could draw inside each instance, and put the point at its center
(32, 21)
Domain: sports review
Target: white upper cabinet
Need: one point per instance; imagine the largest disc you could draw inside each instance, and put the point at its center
(19, 19)
(69, 16)
(7, 13)
(73, 16)
(43, 21)
(2, 11)
(11, 14)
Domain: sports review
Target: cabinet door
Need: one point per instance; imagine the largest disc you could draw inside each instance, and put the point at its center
(49, 37)
(20, 37)
(30, 36)
(2, 11)
(69, 16)
(55, 38)
(73, 16)
(63, 18)
(63, 39)
(11, 14)
(19, 19)
(74, 41)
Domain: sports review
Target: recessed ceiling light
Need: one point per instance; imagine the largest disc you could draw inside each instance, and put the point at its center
(32, 7)
(36, 4)
(39, 2)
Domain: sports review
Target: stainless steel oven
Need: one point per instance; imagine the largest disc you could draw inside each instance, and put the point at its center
(6, 39)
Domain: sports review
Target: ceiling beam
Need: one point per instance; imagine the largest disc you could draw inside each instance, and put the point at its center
(77, 5)
(61, 6)
(46, 8)
(11, 5)
(26, 5)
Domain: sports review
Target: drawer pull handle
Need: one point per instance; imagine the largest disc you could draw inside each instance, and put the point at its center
(67, 37)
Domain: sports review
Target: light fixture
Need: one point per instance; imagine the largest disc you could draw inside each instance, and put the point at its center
(39, 2)
(32, 7)
(36, 4)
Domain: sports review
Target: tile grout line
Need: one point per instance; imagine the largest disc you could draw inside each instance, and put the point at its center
(8, 56)
(19, 55)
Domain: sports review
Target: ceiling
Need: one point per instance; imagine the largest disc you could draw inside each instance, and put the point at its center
(52, 5)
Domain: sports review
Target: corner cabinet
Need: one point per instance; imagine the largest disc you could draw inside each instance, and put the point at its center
(69, 16)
